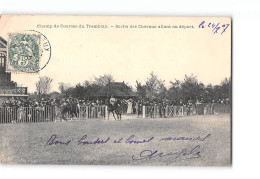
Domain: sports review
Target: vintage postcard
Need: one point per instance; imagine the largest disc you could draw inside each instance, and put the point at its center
(115, 90)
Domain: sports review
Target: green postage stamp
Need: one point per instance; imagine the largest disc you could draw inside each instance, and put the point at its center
(23, 53)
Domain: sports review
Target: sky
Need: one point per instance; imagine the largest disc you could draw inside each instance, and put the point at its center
(128, 54)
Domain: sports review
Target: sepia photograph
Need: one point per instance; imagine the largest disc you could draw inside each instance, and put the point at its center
(115, 90)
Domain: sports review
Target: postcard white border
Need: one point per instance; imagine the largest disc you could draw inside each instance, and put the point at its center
(245, 17)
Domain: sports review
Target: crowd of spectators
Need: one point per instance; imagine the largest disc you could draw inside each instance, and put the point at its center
(18, 109)
(131, 105)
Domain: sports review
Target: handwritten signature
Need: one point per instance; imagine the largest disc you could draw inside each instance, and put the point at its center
(184, 154)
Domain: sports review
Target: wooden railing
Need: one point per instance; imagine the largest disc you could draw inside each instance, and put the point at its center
(175, 111)
(49, 113)
(53, 113)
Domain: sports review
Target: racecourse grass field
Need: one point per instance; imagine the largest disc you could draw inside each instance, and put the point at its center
(189, 140)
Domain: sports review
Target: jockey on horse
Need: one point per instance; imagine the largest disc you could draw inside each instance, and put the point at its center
(69, 108)
(114, 106)
(111, 107)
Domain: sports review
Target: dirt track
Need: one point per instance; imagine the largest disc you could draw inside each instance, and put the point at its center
(178, 141)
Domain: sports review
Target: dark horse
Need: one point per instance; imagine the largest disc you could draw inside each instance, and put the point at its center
(69, 110)
(115, 108)
(119, 109)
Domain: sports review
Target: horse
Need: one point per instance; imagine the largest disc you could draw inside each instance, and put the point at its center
(74, 109)
(115, 108)
(65, 111)
(111, 108)
(119, 109)
(69, 110)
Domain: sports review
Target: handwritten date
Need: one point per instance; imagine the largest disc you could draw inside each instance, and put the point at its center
(216, 27)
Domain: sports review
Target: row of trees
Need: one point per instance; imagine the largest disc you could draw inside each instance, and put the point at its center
(187, 89)
(153, 88)
(88, 89)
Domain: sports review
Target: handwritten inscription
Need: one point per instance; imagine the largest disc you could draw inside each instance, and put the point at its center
(180, 154)
(185, 138)
(215, 27)
(83, 141)
(54, 141)
(131, 140)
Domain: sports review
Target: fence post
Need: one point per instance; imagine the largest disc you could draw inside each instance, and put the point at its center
(86, 112)
(166, 111)
(106, 112)
(143, 111)
(98, 111)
